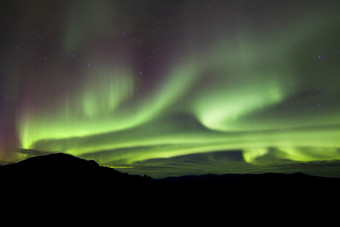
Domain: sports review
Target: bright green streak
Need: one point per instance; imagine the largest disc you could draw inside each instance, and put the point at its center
(234, 94)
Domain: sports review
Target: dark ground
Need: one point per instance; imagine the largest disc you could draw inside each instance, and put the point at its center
(62, 187)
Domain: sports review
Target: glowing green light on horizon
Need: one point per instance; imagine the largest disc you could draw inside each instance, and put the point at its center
(229, 98)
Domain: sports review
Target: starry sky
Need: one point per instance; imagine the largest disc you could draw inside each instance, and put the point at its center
(173, 87)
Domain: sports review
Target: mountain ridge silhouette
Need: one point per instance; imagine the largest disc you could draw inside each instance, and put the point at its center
(63, 185)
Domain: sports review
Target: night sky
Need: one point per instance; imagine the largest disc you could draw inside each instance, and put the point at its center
(173, 87)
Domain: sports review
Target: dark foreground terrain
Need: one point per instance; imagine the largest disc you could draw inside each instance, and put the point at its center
(60, 187)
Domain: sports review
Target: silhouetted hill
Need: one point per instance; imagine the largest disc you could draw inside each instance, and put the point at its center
(63, 186)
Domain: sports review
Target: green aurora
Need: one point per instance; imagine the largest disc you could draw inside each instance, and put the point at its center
(268, 92)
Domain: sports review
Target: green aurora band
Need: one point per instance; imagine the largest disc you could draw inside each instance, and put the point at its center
(247, 85)
(268, 91)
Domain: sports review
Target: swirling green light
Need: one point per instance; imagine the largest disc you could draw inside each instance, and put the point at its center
(237, 95)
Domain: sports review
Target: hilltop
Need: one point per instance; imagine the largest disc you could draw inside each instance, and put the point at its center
(66, 186)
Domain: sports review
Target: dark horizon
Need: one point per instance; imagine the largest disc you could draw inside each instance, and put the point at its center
(216, 163)
(60, 188)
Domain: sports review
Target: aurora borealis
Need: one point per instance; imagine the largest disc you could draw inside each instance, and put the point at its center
(174, 87)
